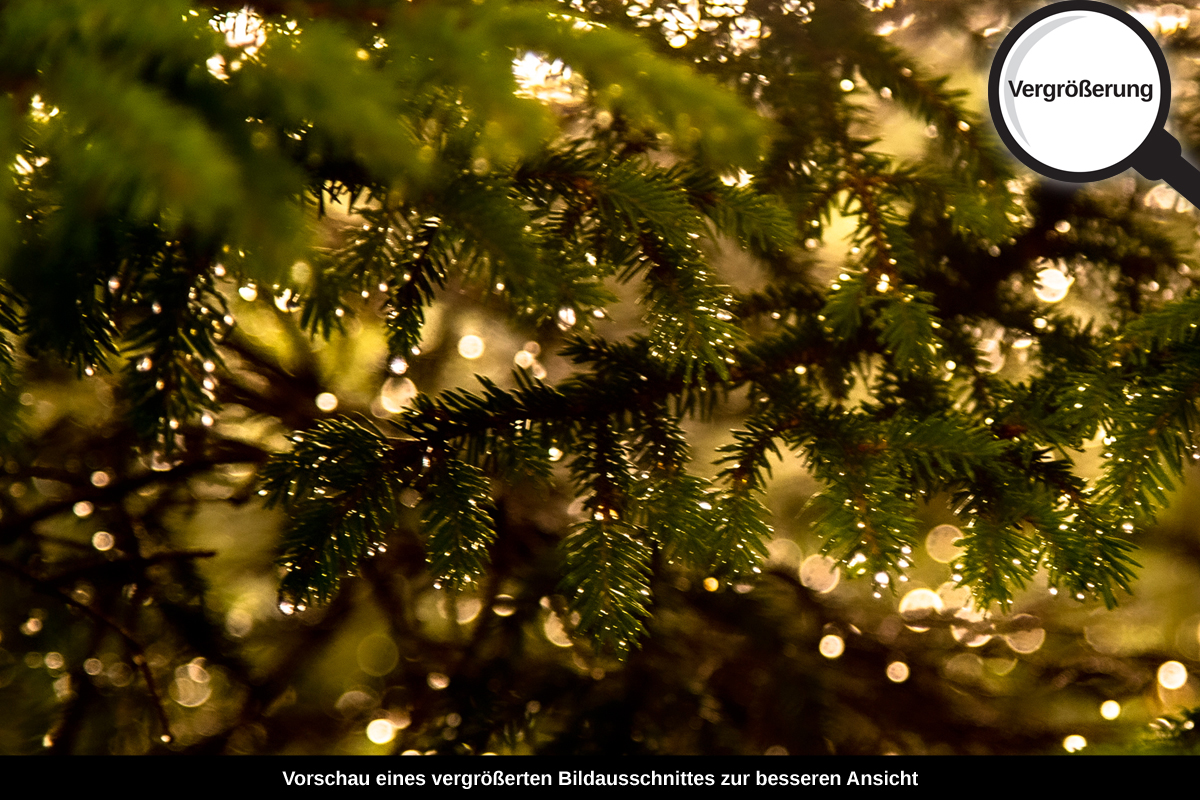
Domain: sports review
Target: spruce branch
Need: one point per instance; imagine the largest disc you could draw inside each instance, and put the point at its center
(340, 485)
(455, 510)
(172, 352)
(606, 579)
(1151, 439)
(606, 560)
(998, 557)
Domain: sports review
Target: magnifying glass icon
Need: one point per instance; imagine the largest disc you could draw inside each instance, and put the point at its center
(1079, 91)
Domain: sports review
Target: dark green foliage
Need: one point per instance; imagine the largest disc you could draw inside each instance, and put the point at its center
(341, 485)
(627, 218)
(457, 523)
(707, 227)
(679, 516)
(172, 352)
(608, 567)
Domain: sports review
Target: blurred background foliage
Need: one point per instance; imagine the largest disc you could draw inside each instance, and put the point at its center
(237, 239)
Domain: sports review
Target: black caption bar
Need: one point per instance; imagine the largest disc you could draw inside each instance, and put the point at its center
(542, 776)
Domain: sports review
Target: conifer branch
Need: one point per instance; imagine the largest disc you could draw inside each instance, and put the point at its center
(456, 513)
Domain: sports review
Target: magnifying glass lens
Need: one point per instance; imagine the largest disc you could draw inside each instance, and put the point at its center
(1080, 91)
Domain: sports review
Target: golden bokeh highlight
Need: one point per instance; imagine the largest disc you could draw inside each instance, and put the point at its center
(940, 543)
(919, 605)
(831, 646)
(820, 573)
(1172, 675)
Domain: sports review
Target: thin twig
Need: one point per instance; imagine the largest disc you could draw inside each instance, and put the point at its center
(139, 652)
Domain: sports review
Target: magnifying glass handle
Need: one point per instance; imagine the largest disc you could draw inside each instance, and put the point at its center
(1160, 158)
